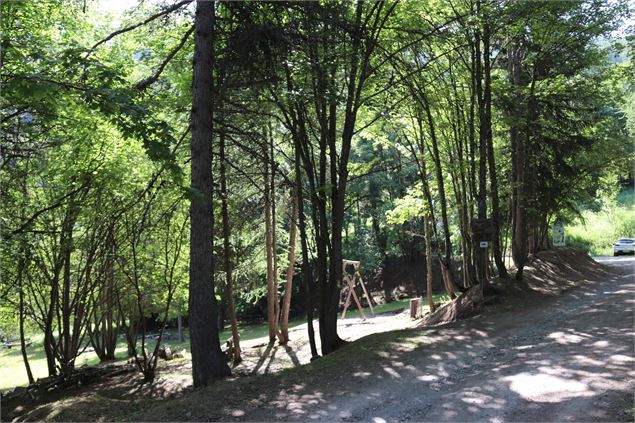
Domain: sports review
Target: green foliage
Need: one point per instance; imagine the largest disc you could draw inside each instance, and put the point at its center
(595, 232)
(84, 151)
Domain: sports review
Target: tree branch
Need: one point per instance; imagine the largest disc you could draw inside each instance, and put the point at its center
(145, 83)
(137, 25)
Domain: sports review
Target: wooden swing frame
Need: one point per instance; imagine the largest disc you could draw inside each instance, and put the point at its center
(351, 282)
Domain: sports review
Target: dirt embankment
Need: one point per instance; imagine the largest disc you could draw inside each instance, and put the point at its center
(548, 273)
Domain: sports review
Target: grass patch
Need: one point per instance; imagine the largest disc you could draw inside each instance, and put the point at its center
(596, 231)
(13, 373)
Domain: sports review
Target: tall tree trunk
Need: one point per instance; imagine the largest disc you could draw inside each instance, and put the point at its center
(461, 193)
(229, 283)
(67, 248)
(284, 318)
(481, 253)
(306, 265)
(208, 362)
(496, 241)
(104, 336)
(447, 260)
(49, 339)
(533, 217)
(426, 232)
(471, 147)
(329, 306)
(271, 297)
(274, 235)
(423, 175)
(519, 212)
(22, 263)
(22, 268)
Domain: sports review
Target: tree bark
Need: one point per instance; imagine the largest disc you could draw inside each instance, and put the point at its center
(21, 269)
(496, 241)
(423, 175)
(519, 213)
(104, 336)
(426, 231)
(447, 260)
(284, 319)
(306, 265)
(481, 253)
(328, 178)
(274, 237)
(271, 297)
(208, 362)
(229, 283)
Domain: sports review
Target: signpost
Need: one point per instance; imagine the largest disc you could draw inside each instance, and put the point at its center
(482, 234)
(558, 238)
(482, 230)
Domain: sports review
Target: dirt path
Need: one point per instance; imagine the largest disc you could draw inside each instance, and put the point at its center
(571, 358)
(259, 357)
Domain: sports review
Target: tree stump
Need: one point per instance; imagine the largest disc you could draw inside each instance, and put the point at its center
(415, 309)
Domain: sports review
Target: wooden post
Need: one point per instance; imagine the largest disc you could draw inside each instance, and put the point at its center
(361, 282)
(348, 297)
(414, 307)
(351, 291)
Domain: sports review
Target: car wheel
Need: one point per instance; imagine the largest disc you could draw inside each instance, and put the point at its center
(616, 254)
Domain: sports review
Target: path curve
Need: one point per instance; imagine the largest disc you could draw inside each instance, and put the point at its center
(569, 359)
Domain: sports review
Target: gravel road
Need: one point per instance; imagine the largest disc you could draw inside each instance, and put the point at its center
(569, 358)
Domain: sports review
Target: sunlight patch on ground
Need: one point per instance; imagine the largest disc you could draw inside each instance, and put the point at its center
(565, 338)
(482, 400)
(392, 372)
(546, 388)
(588, 361)
(620, 358)
(363, 375)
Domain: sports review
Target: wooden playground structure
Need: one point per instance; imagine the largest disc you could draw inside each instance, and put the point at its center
(350, 281)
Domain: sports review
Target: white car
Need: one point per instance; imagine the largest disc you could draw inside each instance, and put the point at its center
(624, 246)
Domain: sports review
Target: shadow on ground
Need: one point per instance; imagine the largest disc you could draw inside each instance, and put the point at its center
(567, 358)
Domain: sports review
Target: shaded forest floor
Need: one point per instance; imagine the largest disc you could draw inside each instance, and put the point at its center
(253, 339)
(559, 347)
(174, 377)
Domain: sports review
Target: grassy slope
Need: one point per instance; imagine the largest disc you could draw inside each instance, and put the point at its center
(596, 232)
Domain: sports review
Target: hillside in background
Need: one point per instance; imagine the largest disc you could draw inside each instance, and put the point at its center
(596, 231)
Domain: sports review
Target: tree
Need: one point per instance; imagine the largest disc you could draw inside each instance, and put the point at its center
(288, 291)
(325, 157)
(208, 362)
